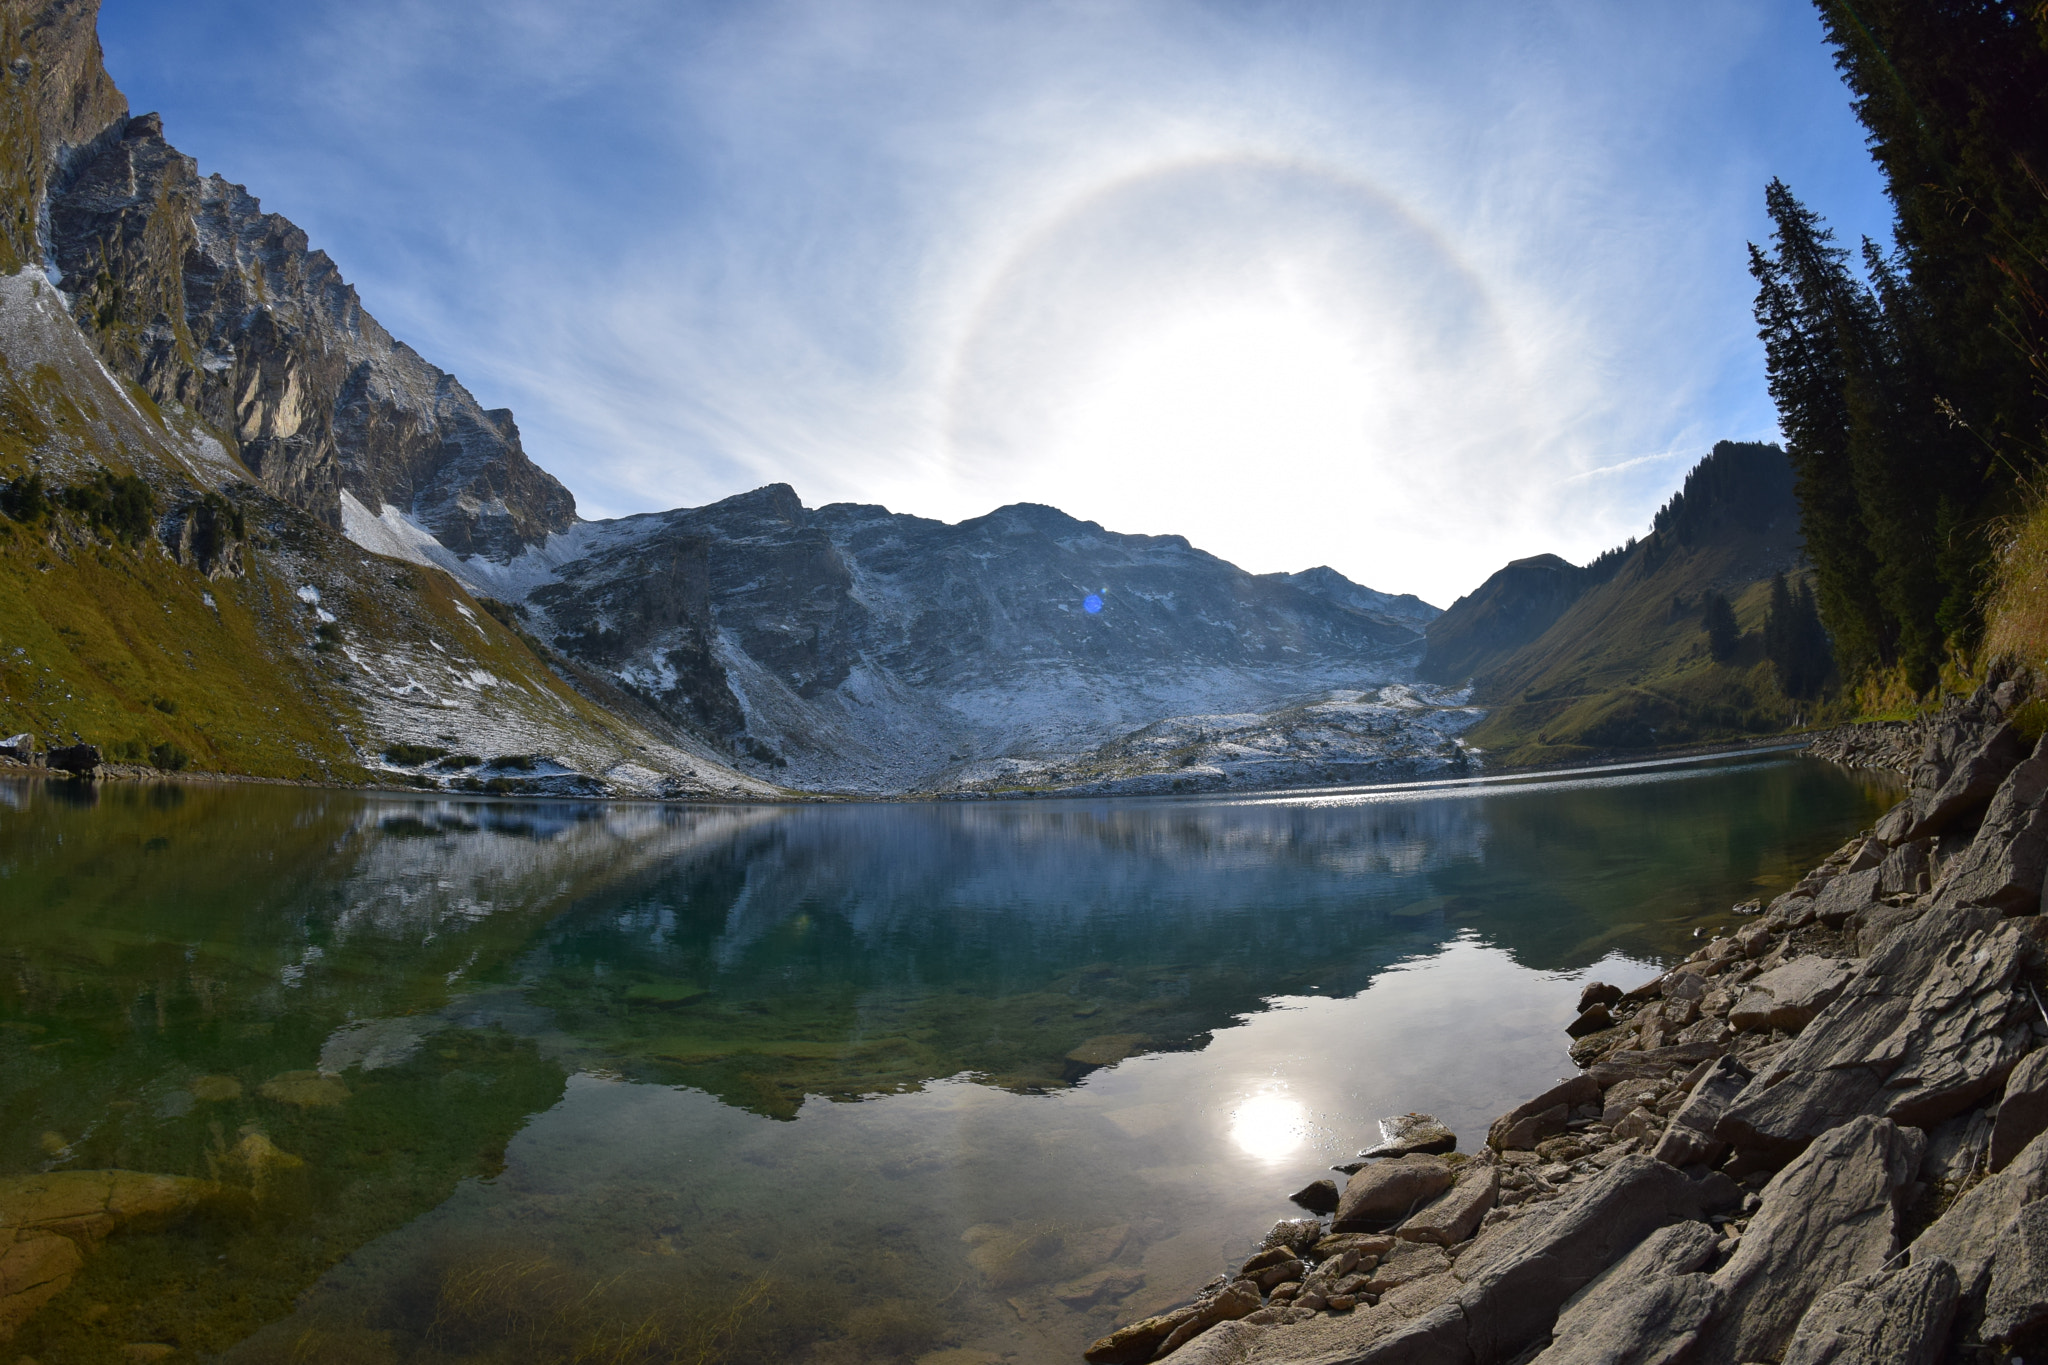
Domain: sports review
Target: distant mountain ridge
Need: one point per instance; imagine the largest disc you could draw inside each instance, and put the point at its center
(853, 647)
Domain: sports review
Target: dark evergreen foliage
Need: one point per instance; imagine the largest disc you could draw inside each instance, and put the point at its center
(1912, 388)
(1795, 641)
(24, 499)
(1718, 618)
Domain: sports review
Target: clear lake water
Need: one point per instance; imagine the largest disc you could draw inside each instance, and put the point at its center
(953, 1083)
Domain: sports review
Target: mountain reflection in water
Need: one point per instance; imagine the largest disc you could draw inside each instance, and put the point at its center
(569, 1056)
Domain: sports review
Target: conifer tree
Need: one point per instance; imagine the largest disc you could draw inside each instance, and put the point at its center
(1718, 617)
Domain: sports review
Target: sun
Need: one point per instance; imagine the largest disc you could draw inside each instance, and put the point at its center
(1219, 394)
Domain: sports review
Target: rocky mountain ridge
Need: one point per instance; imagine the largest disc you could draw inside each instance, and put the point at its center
(858, 649)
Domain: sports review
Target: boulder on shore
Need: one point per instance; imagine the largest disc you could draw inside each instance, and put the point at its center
(1648, 1306)
(1388, 1191)
(1789, 997)
(1968, 1232)
(1892, 1317)
(2023, 1112)
(1527, 1124)
(1830, 1216)
(1401, 1134)
(1927, 1028)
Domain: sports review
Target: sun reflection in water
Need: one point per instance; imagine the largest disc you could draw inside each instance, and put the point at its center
(1269, 1126)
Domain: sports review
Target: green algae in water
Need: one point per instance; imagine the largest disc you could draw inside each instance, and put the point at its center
(537, 1082)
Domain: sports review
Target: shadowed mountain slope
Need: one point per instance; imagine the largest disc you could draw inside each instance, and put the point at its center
(1623, 664)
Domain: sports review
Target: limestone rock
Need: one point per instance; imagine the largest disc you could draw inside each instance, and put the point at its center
(1527, 1124)
(1925, 1029)
(1240, 1299)
(1877, 924)
(2017, 1301)
(1318, 1196)
(1845, 896)
(1789, 997)
(1598, 993)
(1296, 1234)
(1690, 1138)
(1907, 869)
(1360, 1244)
(1388, 1191)
(2005, 863)
(1969, 786)
(1454, 1215)
(1401, 1134)
(1624, 1096)
(273, 349)
(1406, 1263)
(1965, 1234)
(1596, 1019)
(1155, 1336)
(1647, 1307)
(1226, 1343)
(1655, 1064)
(1514, 1278)
(1639, 1123)
(2023, 1113)
(1892, 1317)
(1828, 1217)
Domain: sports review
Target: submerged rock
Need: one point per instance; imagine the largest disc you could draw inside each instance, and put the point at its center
(305, 1089)
(48, 1222)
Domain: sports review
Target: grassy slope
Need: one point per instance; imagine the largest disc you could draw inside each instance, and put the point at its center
(1621, 670)
(116, 645)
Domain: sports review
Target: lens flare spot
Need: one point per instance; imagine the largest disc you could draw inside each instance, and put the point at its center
(1092, 603)
(1269, 1126)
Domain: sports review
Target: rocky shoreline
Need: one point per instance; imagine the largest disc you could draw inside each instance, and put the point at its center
(1822, 1138)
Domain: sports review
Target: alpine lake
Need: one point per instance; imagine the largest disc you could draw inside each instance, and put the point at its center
(957, 1082)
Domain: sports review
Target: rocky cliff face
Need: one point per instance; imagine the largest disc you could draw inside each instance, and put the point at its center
(850, 646)
(214, 307)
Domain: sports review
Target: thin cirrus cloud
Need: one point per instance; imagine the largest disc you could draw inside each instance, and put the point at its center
(1408, 290)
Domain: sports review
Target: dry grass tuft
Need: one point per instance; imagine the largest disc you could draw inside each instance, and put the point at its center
(2016, 613)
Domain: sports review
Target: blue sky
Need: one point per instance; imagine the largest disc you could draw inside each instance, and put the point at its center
(1408, 289)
